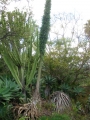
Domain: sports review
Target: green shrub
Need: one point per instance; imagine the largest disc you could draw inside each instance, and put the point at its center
(48, 105)
(6, 112)
(87, 106)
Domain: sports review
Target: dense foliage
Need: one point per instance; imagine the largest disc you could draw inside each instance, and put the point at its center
(25, 52)
(67, 63)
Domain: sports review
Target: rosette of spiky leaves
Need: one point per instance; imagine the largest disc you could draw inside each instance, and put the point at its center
(9, 89)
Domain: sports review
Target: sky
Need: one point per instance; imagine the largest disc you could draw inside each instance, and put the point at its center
(79, 7)
(82, 7)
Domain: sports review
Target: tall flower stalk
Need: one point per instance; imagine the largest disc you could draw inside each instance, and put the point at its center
(43, 37)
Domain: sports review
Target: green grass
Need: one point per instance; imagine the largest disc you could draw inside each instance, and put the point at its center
(55, 117)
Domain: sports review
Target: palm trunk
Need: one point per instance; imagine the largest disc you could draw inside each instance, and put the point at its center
(24, 90)
(21, 77)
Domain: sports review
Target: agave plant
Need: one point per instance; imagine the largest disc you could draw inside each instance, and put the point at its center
(65, 88)
(9, 89)
(78, 90)
(48, 84)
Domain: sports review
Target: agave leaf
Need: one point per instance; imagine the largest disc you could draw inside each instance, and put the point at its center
(31, 75)
(17, 55)
(77, 90)
(12, 68)
(14, 58)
